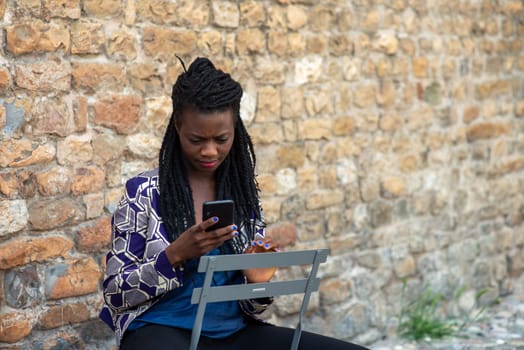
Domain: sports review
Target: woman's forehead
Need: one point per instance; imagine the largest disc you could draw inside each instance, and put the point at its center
(198, 122)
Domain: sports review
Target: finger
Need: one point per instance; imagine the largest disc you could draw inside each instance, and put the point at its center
(204, 225)
(226, 232)
(263, 246)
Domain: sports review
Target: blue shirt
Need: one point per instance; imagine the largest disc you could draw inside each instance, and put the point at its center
(221, 319)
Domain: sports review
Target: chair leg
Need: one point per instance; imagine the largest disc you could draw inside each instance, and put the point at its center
(197, 326)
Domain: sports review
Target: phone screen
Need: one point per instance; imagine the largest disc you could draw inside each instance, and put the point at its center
(223, 209)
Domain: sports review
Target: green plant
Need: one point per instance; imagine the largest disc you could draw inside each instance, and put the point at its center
(425, 317)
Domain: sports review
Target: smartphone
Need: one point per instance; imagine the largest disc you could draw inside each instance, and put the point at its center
(222, 209)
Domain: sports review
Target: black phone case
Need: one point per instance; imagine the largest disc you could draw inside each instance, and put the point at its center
(223, 209)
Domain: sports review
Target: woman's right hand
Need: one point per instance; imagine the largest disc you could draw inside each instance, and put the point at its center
(196, 242)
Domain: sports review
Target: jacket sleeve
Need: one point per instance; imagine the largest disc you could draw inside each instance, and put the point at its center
(132, 277)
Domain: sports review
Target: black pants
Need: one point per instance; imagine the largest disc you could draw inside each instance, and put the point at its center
(253, 337)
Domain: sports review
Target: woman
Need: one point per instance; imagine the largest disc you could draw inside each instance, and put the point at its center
(158, 233)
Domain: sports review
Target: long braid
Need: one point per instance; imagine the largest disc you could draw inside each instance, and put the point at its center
(204, 87)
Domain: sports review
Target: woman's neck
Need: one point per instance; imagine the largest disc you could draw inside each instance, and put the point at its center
(203, 189)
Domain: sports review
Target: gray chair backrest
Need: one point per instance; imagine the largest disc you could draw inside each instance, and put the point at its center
(209, 294)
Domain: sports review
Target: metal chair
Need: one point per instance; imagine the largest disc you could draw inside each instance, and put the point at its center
(209, 294)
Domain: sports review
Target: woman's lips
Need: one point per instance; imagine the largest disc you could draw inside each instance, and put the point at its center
(208, 164)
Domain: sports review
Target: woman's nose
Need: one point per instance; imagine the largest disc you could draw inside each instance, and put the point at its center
(209, 149)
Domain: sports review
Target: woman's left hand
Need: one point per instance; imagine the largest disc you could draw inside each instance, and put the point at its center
(262, 274)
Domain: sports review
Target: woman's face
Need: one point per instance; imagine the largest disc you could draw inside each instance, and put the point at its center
(205, 138)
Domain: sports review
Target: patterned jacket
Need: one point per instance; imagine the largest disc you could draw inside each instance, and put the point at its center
(138, 272)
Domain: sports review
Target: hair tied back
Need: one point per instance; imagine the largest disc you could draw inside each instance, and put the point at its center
(182, 62)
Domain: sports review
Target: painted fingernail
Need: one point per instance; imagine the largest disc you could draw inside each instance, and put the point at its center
(266, 245)
(260, 242)
(254, 243)
(235, 233)
(234, 227)
(215, 219)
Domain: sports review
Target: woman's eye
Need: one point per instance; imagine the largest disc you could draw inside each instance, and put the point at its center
(222, 140)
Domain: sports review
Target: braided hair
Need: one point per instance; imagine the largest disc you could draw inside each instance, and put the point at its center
(208, 89)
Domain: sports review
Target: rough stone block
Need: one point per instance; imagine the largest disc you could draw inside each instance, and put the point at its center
(15, 326)
(252, 14)
(379, 213)
(324, 199)
(250, 41)
(87, 38)
(225, 14)
(5, 79)
(73, 278)
(121, 44)
(470, 113)
(21, 251)
(144, 145)
(94, 204)
(102, 8)
(487, 130)
(37, 36)
(292, 103)
(210, 43)
(88, 179)
(267, 133)
(296, 46)
(9, 184)
(328, 178)
(364, 96)
(160, 12)
(283, 235)
(319, 102)
(62, 8)
(393, 186)
(343, 126)
(106, 148)
(296, 17)
(48, 76)
(316, 129)
(98, 76)
(161, 42)
(321, 18)
(27, 184)
(145, 77)
(291, 156)
(493, 89)
(317, 44)
(277, 43)
(14, 150)
(3, 5)
(74, 150)
(51, 115)
(52, 213)
(96, 237)
(308, 69)
(334, 291)
(194, 13)
(340, 45)
(57, 316)
(120, 113)
(14, 216)
(268, 105)
(22, 287)
(158, 113)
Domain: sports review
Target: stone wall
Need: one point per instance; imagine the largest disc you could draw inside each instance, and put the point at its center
(389, 131)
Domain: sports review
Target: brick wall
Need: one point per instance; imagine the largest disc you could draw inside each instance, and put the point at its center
(389, 131)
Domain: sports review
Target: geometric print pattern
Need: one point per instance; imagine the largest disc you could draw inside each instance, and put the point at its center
(138, 272)
(137, 269)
